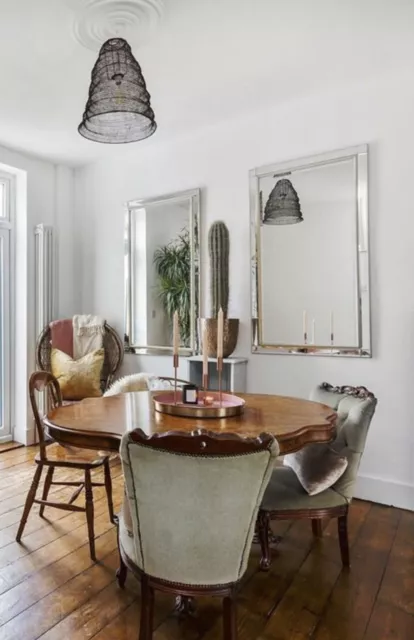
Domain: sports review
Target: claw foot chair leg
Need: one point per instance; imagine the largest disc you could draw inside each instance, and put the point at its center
(263, 532)
(122, 572)
(343, 539)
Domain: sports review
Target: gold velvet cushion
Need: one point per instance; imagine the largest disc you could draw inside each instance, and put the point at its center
(78, 379)
(317, 467)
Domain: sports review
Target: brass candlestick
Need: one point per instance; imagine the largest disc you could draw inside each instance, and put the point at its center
(175, 364)
(205, 384)
(219, 370)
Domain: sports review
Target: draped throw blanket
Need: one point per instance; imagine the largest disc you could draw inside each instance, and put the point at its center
(133, 382)
(88, 333)
(61, 332)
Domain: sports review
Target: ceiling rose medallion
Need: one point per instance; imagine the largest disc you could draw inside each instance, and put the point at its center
(118, 109)
(98, 20)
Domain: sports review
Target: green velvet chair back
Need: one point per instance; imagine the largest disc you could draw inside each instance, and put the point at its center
(194, 500)
(355, 407)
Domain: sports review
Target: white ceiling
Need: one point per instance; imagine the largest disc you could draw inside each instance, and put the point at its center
(208, 60)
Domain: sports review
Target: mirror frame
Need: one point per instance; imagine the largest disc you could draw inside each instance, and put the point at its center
(193, 195)
(360, 154)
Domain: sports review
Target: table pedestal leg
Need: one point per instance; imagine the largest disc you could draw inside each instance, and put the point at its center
(184, 606)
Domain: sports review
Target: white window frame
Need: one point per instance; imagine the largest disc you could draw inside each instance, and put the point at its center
(7, 238)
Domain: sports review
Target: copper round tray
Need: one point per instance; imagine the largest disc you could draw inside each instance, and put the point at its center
(230, 405)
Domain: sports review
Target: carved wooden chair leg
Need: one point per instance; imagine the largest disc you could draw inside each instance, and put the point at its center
(343, 539)
(230, 617)
(121, 573)
(90, 512)
(29, 501)
(263, 522)
(147, 609)
(46, 488)
(108, 488)
(317, 527)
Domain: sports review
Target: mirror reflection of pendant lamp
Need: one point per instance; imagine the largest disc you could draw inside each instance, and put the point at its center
(118, 108)
(283, 206)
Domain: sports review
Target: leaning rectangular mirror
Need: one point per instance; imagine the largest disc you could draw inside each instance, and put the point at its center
(162, 264)
(309, 255)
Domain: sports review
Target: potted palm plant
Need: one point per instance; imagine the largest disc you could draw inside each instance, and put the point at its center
(173, 267)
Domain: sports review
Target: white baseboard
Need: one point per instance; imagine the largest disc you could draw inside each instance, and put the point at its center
(389, 492)
(26, 435)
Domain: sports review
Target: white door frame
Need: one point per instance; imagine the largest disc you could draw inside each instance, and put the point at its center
(7, 292)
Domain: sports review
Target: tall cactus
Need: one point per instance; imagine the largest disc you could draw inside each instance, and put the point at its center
(219, 250)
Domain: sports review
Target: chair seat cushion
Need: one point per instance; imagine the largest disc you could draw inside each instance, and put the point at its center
(285, 493)
(72, 455)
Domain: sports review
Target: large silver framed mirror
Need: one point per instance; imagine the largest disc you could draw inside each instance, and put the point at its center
(162, 272)
(310, 255)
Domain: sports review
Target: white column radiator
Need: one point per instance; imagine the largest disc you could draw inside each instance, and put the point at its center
(44, 289)
(44, 263)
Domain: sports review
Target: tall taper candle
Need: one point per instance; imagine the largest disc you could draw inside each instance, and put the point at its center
(205, 352)
(313, 331)
(176, 334)
(220, 332)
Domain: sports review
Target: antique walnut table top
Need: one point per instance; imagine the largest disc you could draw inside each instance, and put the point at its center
(99, 423)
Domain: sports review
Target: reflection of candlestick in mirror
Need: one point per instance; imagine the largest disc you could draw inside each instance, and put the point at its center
(220, 332)
(332, 328)
(305, 327)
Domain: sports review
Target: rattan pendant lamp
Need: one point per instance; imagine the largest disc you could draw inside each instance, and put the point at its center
(118, 109)
(283, 206)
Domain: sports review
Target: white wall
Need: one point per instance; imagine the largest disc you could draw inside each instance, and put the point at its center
(45, 195)
(218, 160)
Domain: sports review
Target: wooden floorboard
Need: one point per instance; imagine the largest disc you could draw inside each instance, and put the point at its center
(50, 588)
(9, 446)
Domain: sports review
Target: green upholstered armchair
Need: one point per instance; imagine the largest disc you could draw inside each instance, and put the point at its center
(194, 500)
(285, 497)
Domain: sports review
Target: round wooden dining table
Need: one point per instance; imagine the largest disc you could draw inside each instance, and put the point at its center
(99, 423)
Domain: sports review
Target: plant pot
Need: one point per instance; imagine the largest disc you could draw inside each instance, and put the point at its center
(230, 335)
